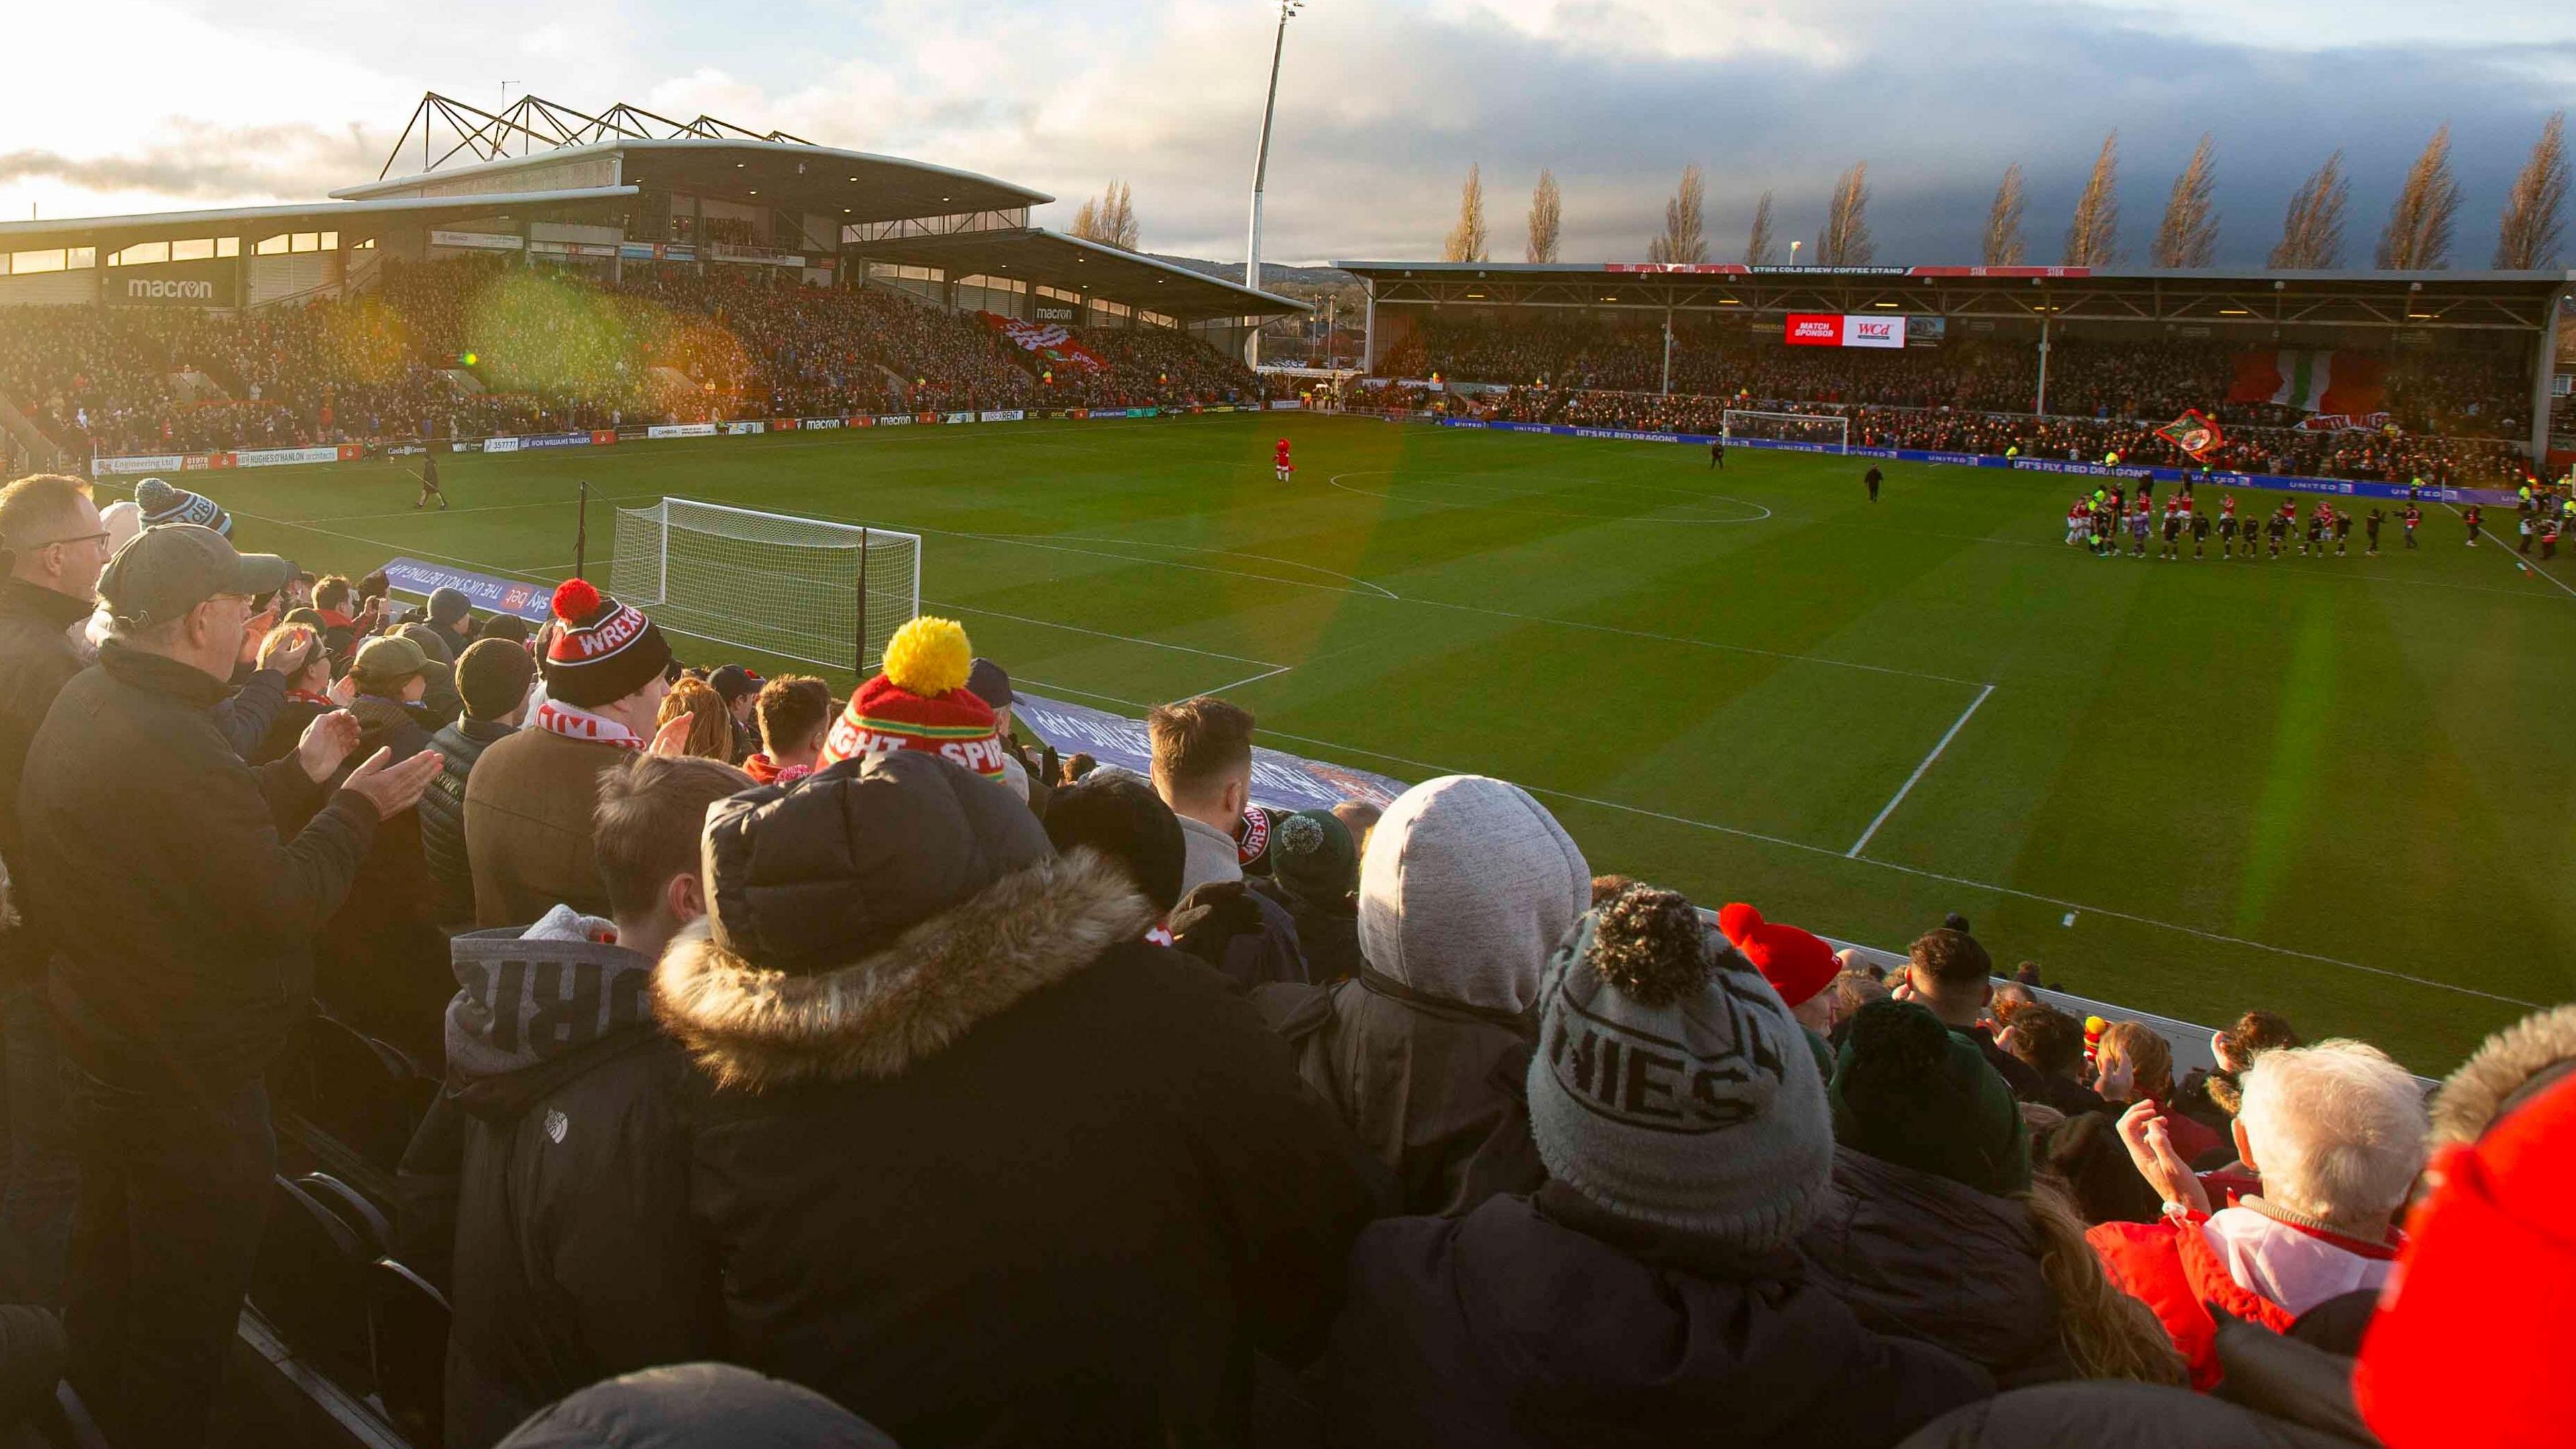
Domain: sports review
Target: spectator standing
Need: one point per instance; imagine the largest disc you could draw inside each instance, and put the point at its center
(173, 1002)
(795, 712)
(2337, 1133)
(919, 701)
(894, 955)
(1203, 769)
(1935, 1230)
(529, 799)
(1949, 972)
(991, 683)
(740, 689)
(56, 547)
(1649, 1293)
(551, 1164)
(296, 652)
(710, 731)
(492, 679)
(1315, 877)
(1468, 886)
(452, 615)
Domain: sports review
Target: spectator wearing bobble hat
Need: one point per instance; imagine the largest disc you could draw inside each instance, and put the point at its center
(1092, 1184)
(163, 503)
(1650, 1293)
(919, 701)
(1315, 875)
(528, 801)
(1798, 964)
(1934, 1230)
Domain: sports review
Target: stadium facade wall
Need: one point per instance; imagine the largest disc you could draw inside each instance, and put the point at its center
(2347, 487)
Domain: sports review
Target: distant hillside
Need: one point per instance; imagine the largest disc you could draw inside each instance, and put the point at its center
(1272, 273)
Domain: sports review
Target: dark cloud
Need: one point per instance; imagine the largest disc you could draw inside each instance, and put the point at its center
(199, 160)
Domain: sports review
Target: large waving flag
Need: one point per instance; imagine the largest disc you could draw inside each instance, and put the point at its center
(2194, 432)
(2311, 381)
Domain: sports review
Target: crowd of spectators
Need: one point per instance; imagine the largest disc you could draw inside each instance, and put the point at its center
(851, 1072)
(2453, 415)
(478, 347)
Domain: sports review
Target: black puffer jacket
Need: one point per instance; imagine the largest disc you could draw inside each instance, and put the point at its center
(1925, 1257)
(979, 1163)
(442, 813)
(553, 1167)
(192, 973)
(1539, 1321)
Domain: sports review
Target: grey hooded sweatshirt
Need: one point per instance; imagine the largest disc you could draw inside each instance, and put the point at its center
(1467, 887)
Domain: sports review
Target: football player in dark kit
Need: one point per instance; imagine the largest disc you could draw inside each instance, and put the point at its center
(2277, 529)
(1872, 478)
(1717, 454)
(2227, 536)
(2370, 529)
(2199, 536)
(2342, 531)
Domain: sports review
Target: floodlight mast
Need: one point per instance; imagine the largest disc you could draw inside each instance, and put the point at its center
(1260, 171)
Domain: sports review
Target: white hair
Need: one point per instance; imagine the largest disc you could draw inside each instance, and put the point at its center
(2337, 1131)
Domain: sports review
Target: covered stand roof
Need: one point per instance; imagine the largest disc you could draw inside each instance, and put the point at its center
(1070, 264)
(2514, 301)
(354, 220)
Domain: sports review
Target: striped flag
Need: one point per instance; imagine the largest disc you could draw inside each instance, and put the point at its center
(2309, 380)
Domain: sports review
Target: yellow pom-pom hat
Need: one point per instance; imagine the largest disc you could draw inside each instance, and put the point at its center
(920, 702)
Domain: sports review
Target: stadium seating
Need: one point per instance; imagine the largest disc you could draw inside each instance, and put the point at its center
(310, 1282)
(407, 1346)
(549, 353)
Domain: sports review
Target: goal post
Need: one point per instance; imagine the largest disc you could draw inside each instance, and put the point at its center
(1813, 432)
(806, 589)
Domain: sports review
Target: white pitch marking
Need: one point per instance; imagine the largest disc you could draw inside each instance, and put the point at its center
(1903, 790)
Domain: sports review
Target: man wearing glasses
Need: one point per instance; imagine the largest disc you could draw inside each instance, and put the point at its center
(55, 547)
(179, 923)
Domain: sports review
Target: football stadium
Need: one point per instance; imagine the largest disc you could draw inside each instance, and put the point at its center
(1053, 805)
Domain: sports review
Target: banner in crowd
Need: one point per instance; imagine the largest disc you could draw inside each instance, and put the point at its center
(2491, 497)
(1280, 781)
(2311, 381)
(2194, 432)
(753, 428)
(1050, 340)
(807, 425)
(1001, 415)
(490, 593)
(2347, 423)
(681, 430)
(957, 417)
(500, 445)
(558, 440)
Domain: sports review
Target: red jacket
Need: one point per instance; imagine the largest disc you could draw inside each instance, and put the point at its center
(2170, 1267)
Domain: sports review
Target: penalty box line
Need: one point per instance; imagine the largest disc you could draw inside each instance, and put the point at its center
(1919, 771)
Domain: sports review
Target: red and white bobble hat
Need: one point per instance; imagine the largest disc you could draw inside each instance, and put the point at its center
(920, 702)
(605, 650)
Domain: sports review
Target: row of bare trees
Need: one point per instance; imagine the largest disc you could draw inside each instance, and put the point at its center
(2420, 235)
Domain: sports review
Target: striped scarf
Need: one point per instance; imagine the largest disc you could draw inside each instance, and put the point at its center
(556, 717)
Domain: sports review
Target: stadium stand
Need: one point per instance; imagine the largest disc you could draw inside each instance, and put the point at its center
(551, 354)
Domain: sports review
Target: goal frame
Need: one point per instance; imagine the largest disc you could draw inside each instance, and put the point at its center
(1841, 445)
(865, 537)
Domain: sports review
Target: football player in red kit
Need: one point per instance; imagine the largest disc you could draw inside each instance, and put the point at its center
(1279, 461)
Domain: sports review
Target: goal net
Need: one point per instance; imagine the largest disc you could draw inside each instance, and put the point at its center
(799, 588)
(1815, 432)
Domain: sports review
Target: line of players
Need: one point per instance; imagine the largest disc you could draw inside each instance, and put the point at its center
(2098, 522)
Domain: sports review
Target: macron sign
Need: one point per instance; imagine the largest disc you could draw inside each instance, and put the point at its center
(1831, 329)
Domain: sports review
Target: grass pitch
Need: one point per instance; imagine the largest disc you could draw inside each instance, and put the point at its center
(2336, 787)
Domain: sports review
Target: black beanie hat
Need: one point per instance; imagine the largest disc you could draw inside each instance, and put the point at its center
(1118, 814)
(1908, 1090)
(819, 873)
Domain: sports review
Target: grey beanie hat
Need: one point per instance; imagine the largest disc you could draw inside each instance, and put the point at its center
(1670, 1085)
(447, 606)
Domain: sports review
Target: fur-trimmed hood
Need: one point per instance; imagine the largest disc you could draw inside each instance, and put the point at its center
(2541, 1044)
(755, 1028)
